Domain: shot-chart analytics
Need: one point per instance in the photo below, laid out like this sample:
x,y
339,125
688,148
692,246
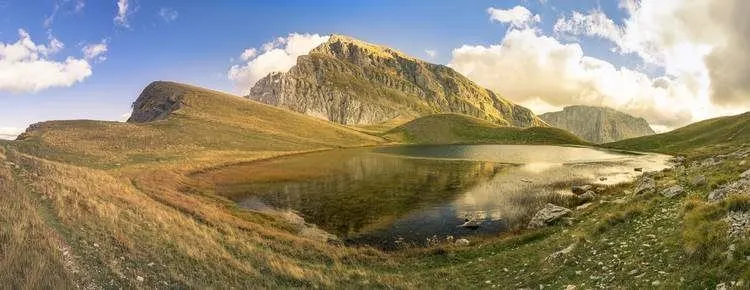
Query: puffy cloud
x,y
168,14
278,55
517,16
701,42
544,74
123,12
595,23
27,67
10,133
431,53
95,51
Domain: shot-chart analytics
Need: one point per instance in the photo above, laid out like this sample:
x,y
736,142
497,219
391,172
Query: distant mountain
x,y
456,128
352,82
729,131
598,124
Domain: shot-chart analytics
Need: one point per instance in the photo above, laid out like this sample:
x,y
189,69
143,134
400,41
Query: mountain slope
x,y
456,128
172,120
352,82
598,124
727,131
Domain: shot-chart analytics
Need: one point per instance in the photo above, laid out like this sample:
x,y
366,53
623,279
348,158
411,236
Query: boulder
x,y
699,180
462,242
549,214
672,191
587,196
580,189
645,185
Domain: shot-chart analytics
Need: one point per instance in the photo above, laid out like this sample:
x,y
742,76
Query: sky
x,y
672,62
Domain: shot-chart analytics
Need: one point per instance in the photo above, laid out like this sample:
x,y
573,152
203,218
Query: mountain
x,y
352,82
456,128
729,131
172,120
598,124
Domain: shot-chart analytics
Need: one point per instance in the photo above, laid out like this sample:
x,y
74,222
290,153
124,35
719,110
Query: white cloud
x,y
518,16
278,55
96,51
703,43
10,133
27,67
79,6
123,12
595,23
168,14
431,53
540,72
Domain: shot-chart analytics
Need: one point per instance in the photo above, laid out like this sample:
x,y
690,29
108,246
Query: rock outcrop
x,y
156,102
349,81
598,124
549,214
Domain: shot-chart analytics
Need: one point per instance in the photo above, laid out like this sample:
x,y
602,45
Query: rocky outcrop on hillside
x,y
156,102
348,81
598,124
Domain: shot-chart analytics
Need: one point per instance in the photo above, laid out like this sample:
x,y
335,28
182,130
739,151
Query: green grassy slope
x,y
456,128
207,122
718,132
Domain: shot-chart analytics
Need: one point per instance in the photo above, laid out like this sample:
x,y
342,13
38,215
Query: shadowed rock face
x,y
348,81
598,124
156,102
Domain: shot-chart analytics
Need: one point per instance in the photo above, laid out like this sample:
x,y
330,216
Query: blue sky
x,y
198,41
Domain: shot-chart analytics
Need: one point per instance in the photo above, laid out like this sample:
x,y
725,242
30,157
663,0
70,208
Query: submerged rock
x,y
672,191
549,214
470,224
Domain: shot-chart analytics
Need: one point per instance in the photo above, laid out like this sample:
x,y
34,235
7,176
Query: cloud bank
x,y
27,67
276,56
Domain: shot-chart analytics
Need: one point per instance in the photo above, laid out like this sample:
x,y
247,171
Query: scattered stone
x,y
645,185
672,191
602,178
580,189
742,163
678,159
462,242
559,253
548,215
638,169
525,180
721,286
739,223
741,185
656,283
620,201
587,196
139,278
584,206
633,272
699,180
570,287
745,174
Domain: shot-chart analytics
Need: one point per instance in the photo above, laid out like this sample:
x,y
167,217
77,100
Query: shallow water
x,y
382,195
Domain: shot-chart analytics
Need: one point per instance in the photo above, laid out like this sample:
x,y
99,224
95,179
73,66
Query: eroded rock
x,y
645,185
549,214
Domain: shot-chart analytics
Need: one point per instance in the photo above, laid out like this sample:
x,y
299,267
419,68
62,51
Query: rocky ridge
x,y
598,124
349,81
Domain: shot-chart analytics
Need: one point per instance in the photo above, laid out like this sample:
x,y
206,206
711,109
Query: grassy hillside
x,y
722,132
455,128
208,124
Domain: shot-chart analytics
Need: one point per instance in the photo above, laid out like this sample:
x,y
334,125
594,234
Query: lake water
x,y
379,196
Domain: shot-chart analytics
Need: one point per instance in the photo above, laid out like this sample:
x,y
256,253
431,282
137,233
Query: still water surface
x,y
410,193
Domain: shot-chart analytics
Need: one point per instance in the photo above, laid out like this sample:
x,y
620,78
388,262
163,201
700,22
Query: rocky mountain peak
x,y
598,124
349,81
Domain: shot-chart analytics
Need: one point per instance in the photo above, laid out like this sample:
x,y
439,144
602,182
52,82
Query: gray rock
x,y
462,242
672,191
745,174
587,196
562,252
645,185
699,180
584,206
580,189
549,214
739,186
739,223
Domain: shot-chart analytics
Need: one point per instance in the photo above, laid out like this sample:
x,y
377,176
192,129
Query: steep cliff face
x,y
348,81
598,124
